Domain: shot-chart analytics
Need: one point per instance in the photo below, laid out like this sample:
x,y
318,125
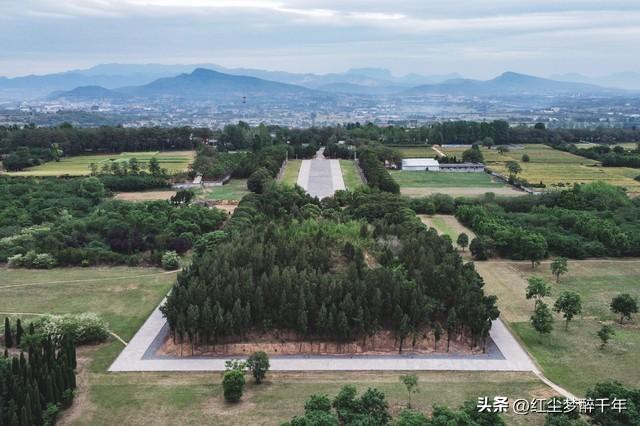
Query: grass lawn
x,y
555,168
196,398
565,356
123,296
350,174
173,161
290,176
235,189
411,179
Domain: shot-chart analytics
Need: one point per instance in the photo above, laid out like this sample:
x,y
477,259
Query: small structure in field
x,y
462,167
420,164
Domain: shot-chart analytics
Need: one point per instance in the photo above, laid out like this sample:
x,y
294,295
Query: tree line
x,y
376,174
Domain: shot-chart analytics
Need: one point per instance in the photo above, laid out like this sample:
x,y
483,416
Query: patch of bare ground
x,y
285,343
228,206
144,196
81,402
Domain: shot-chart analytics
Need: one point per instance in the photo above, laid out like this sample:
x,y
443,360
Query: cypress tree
x,y
24,417
13,419
8,337
19,331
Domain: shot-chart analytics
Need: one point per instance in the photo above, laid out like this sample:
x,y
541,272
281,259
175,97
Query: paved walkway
x,y
140,355
320,177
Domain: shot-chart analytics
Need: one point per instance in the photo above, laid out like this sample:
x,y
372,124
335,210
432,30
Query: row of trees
x,y
376,174
591,220
33,389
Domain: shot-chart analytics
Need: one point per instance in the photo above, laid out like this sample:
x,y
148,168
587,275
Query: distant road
x,y
321,177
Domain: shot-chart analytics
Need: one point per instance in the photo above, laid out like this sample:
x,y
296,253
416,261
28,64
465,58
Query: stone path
x,y
140,355
320,177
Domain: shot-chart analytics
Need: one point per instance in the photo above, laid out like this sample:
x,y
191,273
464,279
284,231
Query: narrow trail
x,y
88,280
440,153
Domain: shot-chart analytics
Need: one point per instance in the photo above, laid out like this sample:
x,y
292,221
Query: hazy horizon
x,y
475,39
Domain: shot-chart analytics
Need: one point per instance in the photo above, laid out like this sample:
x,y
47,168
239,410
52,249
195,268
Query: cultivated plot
x,y
422,183
173,161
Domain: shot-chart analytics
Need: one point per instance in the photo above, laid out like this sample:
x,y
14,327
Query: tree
x,y
625,305
542,320
410,381
258,364
569,304
92,188
503,149
488,142
559,267
537,289
233,385
154,167
259,180
525,158
19,332
481,248
463,240
605,334
609,391
534,246
8,336
513,167
472,155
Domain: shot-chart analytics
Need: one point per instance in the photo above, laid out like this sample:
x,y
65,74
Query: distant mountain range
x,y
622,80
508,84
201,81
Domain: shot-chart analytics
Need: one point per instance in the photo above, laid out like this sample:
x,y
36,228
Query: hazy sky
x,y
478,38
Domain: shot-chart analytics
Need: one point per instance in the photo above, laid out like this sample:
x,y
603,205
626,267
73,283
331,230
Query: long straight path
x,y
321,177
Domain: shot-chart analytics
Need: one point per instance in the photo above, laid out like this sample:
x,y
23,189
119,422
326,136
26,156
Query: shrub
x,y
233,385
170,260
82,328
258,364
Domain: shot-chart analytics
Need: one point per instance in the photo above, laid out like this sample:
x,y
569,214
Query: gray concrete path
x,y
139,355
320,177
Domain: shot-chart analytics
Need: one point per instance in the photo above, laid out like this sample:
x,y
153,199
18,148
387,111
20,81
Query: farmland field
x,y
417,152
420,184
555,168
565,355
350,174
290,176
173,161
196,398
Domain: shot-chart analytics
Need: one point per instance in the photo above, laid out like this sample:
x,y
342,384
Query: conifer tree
x,y
8,337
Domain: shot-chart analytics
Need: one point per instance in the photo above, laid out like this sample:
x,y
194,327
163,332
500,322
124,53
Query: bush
x,y
258,364
32,260
233,385
258,180
170,260
50,415
82,328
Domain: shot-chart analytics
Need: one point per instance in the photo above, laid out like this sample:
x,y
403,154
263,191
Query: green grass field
x,y
417,152
173,161
290,176
235,189
350,174
555,168
444,180
125,296
565,356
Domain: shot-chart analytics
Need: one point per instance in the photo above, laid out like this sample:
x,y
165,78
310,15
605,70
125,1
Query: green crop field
x,y
555,168
412,179
417,152
235,189
350,174
565,356
290,176
173,161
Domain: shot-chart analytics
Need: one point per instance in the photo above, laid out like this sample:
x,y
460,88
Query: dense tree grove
x,y
309,277
33,389
610,157
70,221
591,220
375,173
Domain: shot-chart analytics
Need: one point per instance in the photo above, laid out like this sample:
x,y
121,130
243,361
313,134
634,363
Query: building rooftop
x,y
419,162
